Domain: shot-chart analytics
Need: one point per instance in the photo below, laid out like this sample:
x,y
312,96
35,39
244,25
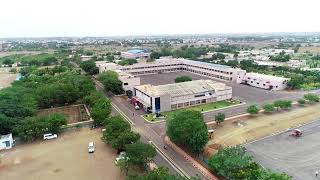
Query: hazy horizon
x,y
98,18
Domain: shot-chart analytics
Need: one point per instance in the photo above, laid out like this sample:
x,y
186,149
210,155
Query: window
x,y
125,84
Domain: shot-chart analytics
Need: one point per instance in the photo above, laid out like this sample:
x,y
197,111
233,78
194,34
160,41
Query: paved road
x,y
299,157
148,134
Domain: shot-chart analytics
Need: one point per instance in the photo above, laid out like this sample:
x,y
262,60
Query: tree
x,y
115,126
253,109
89,67
219,118
302,102
229,161
268,108
101,111
54,122
269,175
161,173
311,97
188,129
139,154
93,98
182,79
110,81
124,138
282,104
7,124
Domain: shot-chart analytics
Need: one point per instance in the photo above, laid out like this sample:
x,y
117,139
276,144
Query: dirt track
x,y
230,133
65,158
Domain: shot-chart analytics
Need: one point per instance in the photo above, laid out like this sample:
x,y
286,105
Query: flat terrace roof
x,y
266,77
182,89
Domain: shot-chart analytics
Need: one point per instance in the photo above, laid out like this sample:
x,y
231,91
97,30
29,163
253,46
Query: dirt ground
x,y
231,133
74,113
64,158
6,79
313,49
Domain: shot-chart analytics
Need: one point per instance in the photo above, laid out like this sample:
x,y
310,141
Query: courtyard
x,y
66,157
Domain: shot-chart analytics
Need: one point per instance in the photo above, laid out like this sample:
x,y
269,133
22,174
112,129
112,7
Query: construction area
x,y
66,157
243,130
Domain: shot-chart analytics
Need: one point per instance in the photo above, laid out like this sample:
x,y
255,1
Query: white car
x,y
91,147
50,136
136,107
121,157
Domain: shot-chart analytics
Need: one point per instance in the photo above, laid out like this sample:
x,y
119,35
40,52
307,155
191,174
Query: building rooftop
x,y
136,51
219,66
182,89
266,77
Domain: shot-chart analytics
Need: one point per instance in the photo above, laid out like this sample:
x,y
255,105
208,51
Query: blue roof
x,y
135,51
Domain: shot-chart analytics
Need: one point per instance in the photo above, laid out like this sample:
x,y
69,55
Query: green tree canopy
x,y
101,111
219,118
268,108
110,81
253,109
188,129
89,67
139,154
182,79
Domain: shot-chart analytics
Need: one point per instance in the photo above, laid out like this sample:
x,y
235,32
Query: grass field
x,y
231,133
74,113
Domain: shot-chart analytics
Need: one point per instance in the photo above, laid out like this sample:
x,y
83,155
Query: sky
x,y
56,18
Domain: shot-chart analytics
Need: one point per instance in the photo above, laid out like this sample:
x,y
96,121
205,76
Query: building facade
x,y
179,95
265,81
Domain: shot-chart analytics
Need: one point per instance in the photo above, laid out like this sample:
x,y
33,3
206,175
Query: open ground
x,y
233,132
6,79
74,113
64,158
298,157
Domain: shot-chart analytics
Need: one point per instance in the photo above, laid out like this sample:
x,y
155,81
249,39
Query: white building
x,y
135,54
180,95
129,81
213,71
6,141
265,81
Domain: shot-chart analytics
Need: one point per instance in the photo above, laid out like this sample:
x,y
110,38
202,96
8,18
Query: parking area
x,y
299,157
244,93
66,157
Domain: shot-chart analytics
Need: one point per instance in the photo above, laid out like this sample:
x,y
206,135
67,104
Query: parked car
x,y
91,147
50,136
121,156
136,107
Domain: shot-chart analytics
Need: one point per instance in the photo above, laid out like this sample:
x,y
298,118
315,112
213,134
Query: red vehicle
x,y
296,133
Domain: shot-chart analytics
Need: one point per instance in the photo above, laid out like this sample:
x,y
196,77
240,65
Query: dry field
x,y
74,113
65,158
232,133
313,49
6,79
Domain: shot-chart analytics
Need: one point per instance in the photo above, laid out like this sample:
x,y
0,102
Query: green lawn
x,y
200,108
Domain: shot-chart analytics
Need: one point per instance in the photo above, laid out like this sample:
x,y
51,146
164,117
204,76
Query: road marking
x,y
170,161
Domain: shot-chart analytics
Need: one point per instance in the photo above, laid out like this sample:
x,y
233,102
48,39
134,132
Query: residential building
x,y
179,95
264,81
